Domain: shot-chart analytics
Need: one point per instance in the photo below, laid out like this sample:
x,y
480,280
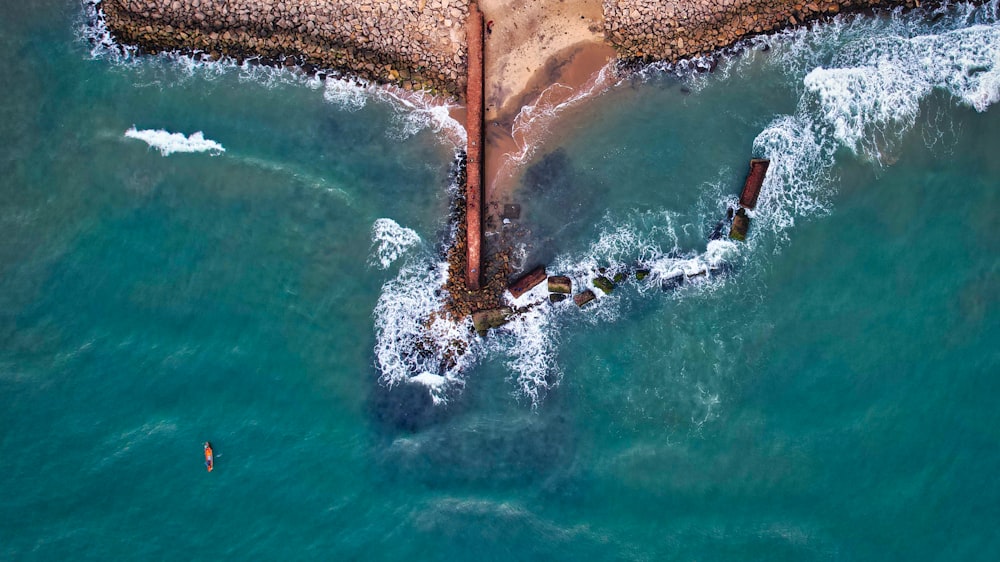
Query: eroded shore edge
x,y
422,45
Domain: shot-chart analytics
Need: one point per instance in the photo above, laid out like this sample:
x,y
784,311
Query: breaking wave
x,y
863,81
413,111
168,143
415,342
391,241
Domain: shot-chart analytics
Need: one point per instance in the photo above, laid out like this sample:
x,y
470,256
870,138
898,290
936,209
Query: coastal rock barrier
x,y
676,29
421,44
417,44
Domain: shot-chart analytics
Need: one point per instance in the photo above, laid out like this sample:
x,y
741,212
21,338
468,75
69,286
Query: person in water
x,y
209,455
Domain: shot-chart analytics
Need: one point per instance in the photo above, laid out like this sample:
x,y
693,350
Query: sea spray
x,y
416,342
169,143
390,241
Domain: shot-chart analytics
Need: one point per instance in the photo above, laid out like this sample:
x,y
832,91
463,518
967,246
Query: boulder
x,y
494,318
557,297
604,284
741,224
671,283
717,231
560,284
527,282
641,274
584,297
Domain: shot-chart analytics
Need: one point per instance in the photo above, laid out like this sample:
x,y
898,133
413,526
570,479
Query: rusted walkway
x,y
474,151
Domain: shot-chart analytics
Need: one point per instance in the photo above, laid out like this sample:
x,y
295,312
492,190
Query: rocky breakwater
x,y
416,44
676,29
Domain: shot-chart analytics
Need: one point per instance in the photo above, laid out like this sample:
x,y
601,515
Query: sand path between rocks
x,y
532,45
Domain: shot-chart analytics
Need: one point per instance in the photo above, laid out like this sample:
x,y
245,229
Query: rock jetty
x,y
672,30
417,44
421,44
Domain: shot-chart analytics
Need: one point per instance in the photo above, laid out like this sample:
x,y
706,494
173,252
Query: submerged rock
x,y
671,283
641,274
604,284
557,297
717,231
552,173
511,212
741,224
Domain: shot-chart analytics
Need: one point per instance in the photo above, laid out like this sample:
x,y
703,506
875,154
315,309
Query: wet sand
x,y
512,134
539,53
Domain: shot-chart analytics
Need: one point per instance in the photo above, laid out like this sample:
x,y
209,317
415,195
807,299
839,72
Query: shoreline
x,y
421,44
414,44
538,53
568,49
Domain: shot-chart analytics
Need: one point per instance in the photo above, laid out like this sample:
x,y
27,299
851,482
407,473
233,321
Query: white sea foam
x,y
796,180
349,95
94,29
530,129
391,241
871,102
434,382
862,84
415,341
168,143
531,341
413,111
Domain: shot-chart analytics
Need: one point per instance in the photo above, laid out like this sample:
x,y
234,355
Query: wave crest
x,y
168,143
391,241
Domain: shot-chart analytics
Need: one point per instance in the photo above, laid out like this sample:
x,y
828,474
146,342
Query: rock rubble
x,y
675,29
421,44
417,44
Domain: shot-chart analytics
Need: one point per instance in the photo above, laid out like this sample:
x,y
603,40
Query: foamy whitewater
x,y
168,143
863,81
861,94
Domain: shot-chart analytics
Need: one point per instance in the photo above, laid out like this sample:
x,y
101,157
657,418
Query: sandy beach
x,y
524,40
539,53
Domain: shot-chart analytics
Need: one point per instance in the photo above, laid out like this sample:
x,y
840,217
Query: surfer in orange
x,y
209,457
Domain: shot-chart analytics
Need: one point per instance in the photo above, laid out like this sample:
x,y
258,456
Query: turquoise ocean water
x,y
828,393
